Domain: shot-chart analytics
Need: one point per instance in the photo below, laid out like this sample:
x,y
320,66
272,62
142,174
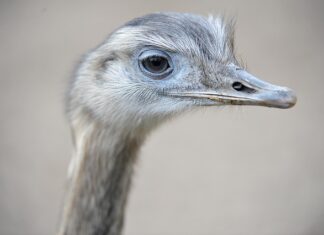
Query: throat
x,y
99,181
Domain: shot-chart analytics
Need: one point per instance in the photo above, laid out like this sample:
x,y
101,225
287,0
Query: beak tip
x,y
291,98
288,98
283,98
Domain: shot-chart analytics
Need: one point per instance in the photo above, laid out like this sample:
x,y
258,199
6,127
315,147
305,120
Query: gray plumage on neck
x,y
100,180
145,72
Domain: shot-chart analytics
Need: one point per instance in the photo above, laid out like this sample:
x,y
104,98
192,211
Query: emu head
x,y
166,63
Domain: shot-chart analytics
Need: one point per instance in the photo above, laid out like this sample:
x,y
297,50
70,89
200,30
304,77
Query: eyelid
x,y
153,52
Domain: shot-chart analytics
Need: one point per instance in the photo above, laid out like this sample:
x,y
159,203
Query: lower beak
x,y
283,99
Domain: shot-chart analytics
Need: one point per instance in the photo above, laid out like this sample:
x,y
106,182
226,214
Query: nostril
x,y
238,86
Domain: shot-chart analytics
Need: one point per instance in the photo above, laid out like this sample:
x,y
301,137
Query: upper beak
x,y
258,92
245,89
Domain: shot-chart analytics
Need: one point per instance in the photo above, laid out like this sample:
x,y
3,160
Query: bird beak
x,y
249,90
242,88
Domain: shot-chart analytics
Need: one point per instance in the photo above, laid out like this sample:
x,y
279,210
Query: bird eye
x,y
155,64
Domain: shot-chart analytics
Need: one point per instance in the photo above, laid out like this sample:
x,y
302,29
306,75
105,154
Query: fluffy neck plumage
x,y
100,178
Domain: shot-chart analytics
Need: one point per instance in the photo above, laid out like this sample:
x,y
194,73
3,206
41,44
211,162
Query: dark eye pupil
x,y
155,64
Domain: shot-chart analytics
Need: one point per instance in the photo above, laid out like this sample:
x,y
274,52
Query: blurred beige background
x,y
228,171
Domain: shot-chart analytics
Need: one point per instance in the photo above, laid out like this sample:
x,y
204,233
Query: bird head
x,y
165,63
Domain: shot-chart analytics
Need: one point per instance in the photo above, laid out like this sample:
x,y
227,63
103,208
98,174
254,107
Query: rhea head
x,y
165,63
146,71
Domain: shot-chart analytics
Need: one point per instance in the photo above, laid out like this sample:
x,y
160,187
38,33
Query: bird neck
x,y
100,178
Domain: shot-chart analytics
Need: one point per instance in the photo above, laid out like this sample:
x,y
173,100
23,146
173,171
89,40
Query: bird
x,y
149,70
